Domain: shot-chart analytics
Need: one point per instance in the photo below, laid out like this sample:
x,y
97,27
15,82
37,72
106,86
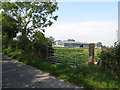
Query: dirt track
x,y
19,75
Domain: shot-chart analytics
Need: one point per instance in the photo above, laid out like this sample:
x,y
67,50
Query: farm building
x,y
74,44
59,43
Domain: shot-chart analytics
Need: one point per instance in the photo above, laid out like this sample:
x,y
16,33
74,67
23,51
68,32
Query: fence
x,y
71,56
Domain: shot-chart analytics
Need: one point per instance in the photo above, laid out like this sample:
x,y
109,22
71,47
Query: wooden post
x,y
91,53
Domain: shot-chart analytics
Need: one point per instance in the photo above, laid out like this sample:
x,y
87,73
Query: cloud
x,y
91,31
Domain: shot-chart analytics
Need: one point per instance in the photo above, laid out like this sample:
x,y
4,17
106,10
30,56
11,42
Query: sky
x,y
86,22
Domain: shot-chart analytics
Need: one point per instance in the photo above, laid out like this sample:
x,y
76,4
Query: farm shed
x,y
74,44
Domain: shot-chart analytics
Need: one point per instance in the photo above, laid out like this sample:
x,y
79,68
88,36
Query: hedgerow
x,y
111,59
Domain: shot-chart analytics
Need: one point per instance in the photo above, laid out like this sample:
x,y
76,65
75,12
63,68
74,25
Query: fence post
x,y
91,53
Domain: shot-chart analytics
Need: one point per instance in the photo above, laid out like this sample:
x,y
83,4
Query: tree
x,y
99,43
9,29
50,39
71,40
31,15
28,18
9,26
39,44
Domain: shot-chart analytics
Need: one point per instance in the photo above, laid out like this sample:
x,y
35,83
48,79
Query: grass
x,y
78,56
83,76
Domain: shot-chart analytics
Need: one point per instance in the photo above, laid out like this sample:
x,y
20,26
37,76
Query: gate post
x,y
91,53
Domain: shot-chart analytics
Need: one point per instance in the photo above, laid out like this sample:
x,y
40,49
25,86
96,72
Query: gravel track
x,y
18,75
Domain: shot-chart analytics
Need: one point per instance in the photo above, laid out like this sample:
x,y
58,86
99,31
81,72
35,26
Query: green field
x,y
74,56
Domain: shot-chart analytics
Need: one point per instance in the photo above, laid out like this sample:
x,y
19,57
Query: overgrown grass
x,y
83,76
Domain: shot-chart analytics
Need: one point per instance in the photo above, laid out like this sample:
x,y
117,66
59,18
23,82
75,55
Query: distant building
x,y
74,44
59,43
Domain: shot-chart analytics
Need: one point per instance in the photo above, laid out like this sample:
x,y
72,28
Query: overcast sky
x,y
86,22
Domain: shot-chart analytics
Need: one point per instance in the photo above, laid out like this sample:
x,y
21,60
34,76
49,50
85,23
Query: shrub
x,y
110,59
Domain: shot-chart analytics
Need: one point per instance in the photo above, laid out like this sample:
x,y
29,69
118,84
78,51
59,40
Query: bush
x,y
110,59
35,46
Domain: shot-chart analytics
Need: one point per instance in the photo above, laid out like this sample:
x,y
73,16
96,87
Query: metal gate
x,y
72,56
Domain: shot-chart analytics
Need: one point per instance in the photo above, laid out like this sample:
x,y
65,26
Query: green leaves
x,y
44,19
110,59
50,23
39,14
28,18
55,17
9,26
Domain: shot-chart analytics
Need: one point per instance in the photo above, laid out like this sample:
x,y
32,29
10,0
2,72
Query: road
x,y
18,75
